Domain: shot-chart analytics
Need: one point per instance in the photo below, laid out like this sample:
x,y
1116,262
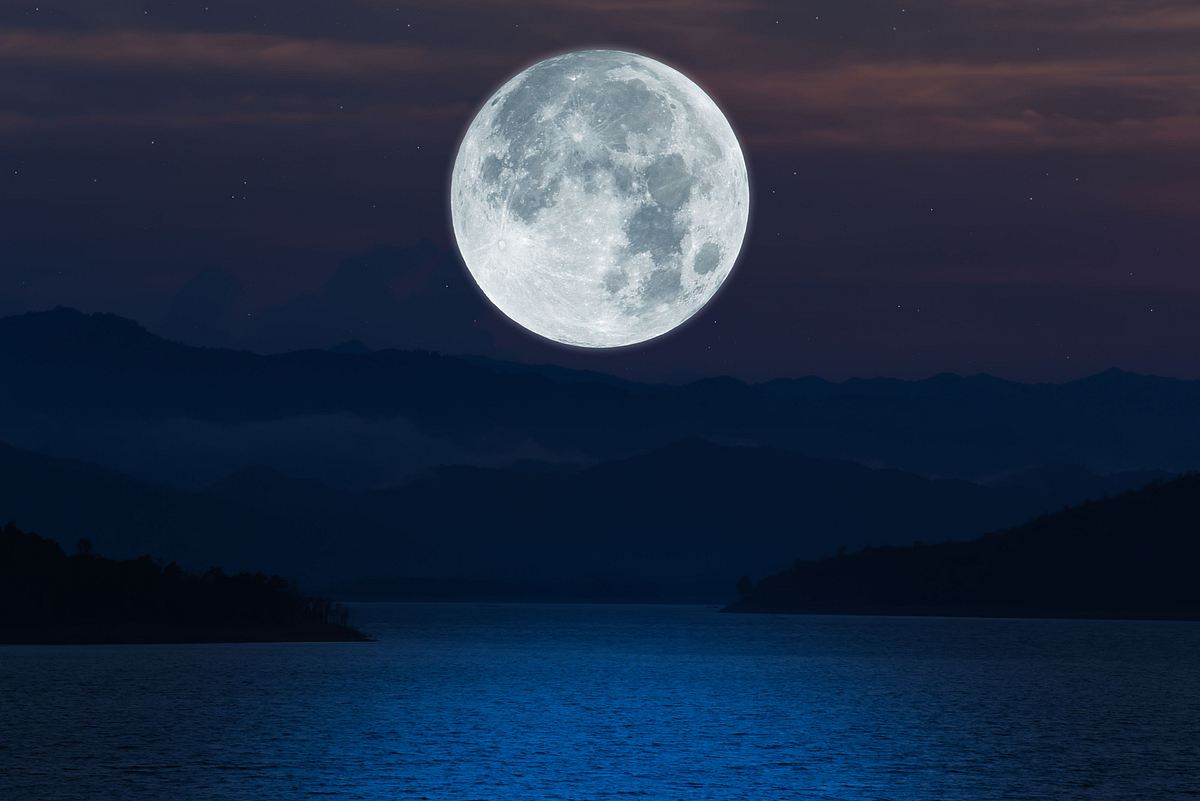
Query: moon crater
x,y
599,198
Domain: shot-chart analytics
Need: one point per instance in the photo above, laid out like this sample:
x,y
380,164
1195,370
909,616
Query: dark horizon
x,y
355,346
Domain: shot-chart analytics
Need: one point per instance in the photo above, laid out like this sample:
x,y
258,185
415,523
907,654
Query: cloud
x,y
236,52
81,81
952,79
1089,15
1160,20
1085,105
258,111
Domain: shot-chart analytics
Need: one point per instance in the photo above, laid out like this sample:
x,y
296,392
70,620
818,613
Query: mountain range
x,y
100,376
414,473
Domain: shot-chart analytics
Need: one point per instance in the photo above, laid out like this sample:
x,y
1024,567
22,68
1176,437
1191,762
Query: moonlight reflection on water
x,y
461,701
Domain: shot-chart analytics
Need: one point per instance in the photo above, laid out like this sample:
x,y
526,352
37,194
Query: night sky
x,y
963,185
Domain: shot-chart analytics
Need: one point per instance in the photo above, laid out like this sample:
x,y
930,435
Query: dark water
x,y
595,702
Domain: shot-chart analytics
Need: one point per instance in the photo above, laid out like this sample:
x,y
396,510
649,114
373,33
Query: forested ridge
x,y
48,595
1134,555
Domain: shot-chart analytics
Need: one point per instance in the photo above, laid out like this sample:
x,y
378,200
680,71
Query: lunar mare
x,y
599,198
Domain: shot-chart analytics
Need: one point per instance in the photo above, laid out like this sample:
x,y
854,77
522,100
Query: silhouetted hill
x,y
89,384
667,523
1131,556
125,516
47,596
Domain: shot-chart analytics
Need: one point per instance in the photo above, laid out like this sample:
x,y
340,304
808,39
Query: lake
x,y
462,702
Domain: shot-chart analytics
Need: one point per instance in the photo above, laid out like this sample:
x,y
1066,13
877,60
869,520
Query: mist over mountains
x,y
348,464
98,372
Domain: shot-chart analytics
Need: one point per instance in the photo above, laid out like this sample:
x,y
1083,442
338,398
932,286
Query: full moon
x,y
599,198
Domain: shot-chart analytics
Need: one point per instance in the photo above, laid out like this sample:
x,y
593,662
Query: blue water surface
x,y
462,702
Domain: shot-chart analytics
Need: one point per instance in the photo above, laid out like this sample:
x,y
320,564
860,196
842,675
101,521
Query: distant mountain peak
x,y
1117,375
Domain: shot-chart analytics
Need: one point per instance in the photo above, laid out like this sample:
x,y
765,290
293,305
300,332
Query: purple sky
x,y
963,185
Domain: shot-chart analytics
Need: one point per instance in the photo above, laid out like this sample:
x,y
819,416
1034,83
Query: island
x,y
50,597
1131,556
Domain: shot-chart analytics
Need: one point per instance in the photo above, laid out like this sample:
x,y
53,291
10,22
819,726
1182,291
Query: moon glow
x,y
599,198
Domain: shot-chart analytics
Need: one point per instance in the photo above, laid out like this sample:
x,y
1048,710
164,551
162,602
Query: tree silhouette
x,y
48,596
